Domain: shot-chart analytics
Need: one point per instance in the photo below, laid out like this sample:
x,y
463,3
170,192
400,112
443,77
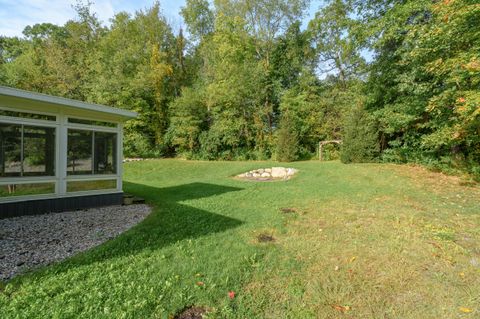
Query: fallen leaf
x,y
465,310
353,259
341,308
200,283
231,294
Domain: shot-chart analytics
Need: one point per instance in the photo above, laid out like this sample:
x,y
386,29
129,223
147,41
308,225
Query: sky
x,y
15,15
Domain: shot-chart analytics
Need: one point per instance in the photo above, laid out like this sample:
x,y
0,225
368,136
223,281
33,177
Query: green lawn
x,y
366,241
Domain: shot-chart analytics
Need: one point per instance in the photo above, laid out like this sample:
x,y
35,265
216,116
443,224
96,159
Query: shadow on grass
x,y
169,222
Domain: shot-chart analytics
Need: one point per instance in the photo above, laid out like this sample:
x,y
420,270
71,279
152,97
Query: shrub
x,y
287,140
360,138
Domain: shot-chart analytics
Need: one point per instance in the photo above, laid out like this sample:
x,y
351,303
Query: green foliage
x,y
287,140
198,17
221,93
423,87
188,120
336,42
360,138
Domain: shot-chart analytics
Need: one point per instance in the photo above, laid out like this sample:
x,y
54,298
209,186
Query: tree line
x,y
396,80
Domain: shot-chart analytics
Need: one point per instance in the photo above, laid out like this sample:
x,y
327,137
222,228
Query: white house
x,y
58,154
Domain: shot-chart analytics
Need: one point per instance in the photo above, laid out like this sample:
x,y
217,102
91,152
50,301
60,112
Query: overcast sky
x,y
15,15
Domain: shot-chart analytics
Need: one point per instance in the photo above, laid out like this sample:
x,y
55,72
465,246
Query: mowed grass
x,y
363,241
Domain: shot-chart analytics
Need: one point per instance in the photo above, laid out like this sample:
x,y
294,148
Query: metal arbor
x,y
322,143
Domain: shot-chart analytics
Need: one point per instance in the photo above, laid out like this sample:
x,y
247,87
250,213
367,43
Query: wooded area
x,y
397,81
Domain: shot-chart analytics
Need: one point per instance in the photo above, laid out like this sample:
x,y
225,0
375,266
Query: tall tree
x,y
337,45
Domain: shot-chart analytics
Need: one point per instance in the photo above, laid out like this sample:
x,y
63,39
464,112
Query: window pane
x,y
28,115
26,189
38,151
79,152
10,150
79,186
91,122
105,153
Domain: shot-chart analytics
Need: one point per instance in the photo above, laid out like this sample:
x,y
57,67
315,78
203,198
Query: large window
x,y
91,152
26,150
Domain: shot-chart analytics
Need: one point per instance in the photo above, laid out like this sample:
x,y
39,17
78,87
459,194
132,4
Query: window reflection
x,y
10,150
26,189
38,151
79,186
91,152
26,150
105,153
80,150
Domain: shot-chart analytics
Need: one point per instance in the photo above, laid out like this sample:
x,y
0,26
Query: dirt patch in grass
x,y
193,312
288,210
265,238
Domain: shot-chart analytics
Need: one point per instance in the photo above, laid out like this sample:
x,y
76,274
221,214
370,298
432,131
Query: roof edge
x,y
5,90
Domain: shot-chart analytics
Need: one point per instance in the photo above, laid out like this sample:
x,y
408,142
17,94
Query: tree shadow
x,y
169,222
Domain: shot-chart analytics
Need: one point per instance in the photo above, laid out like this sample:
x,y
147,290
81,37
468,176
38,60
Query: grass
x,y
358,241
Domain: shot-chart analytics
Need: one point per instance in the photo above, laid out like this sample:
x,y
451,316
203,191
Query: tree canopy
x,y
247,77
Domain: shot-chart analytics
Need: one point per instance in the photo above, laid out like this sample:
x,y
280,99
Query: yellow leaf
x,y
353,259
465,310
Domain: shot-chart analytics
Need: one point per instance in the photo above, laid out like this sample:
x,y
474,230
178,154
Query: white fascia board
x,y
7,91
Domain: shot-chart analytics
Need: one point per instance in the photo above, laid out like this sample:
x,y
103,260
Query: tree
x,y
231,60
360,138
198,17
188,121
422,87
337,45
287,140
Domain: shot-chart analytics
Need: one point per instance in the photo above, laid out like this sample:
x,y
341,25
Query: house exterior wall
x,y
56,205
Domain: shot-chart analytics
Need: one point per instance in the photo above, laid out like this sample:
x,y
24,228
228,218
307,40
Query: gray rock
x,y
279,172
291,171
264,174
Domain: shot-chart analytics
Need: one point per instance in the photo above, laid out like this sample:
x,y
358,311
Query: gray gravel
x,y
30,241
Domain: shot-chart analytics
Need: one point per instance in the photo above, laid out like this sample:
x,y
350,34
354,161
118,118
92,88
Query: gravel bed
x,y
30,241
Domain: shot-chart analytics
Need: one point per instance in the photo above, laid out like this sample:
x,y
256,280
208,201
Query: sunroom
x,y
58,154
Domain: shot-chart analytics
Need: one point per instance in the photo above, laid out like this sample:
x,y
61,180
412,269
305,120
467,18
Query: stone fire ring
x,y
268,174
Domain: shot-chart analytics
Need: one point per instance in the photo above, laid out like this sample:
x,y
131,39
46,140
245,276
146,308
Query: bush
x,y
136,144
287,140
360,138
